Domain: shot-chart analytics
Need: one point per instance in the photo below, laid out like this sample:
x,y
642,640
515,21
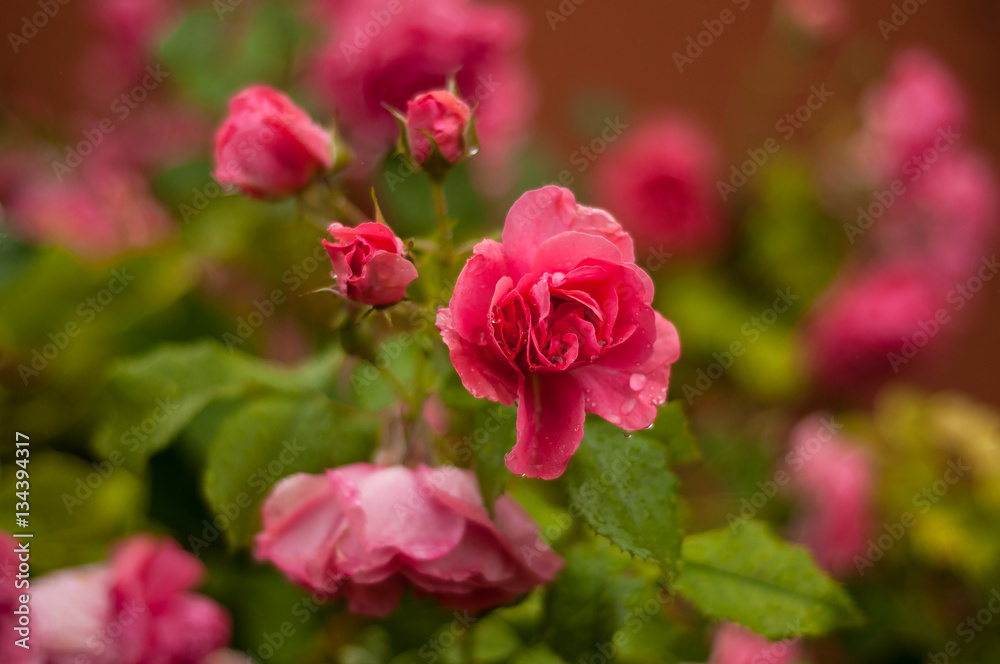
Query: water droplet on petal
x,y
647,428
594,358
614,419
637,381
627,434
628,406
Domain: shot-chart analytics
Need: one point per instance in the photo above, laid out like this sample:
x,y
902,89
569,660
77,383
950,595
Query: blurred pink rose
x,y
866,317
947,218
918,104
659,181
836,478
366,532
268,146
136,608
388,52
737,645
558,318
445,118
10,602
99,210
368,263
822,20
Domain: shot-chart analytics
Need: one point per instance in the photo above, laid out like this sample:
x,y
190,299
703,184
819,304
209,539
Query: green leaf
x,y
587,604
623,489
153,398
671,430
271,438
493,436
750,576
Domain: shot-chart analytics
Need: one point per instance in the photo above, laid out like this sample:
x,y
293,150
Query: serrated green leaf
x,y
625,492
750,576
271,438
587,604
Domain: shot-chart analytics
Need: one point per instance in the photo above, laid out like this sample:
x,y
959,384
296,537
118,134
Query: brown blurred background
x,y
739,87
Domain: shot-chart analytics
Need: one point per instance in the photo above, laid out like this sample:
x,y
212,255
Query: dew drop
x,y
558,278
627,434
614,419
628,406
594,358
647,428
637,381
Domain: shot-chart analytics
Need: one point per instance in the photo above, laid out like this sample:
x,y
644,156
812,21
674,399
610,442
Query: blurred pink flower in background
x,y
268,146
917,104
9,602
129,31
736,645
136,608
369,264
377,56
863,318
659,183
442,116
836,480
821,20
100,210
367,532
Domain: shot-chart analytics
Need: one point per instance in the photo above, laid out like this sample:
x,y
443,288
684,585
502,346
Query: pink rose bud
x,y
737,645
558,319
660,182
871,325
441,116
136,608
836,478
268,146
368,263
367,532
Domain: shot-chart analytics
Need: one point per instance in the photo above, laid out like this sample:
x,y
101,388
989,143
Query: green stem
x,y
444,230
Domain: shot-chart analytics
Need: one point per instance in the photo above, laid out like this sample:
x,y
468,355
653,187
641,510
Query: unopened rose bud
x,y
368,263
268,146
438,119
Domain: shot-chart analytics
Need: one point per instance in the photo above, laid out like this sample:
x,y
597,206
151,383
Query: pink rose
x,y
918,106
659,181
366,532
558,318
736,645
445,118
368,263
360,69
268,146
100,210
136,608
859,329
836,478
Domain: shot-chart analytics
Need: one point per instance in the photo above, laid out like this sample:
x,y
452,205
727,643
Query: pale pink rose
x,y
367,532
559,318
136,608
269,147
386,53
865,320
99,210
737,645
914,110
368,263
659,181
441,116
9,602
835,477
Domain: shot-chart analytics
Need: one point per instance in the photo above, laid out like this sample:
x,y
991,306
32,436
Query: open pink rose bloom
x,y
367,532
558,317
